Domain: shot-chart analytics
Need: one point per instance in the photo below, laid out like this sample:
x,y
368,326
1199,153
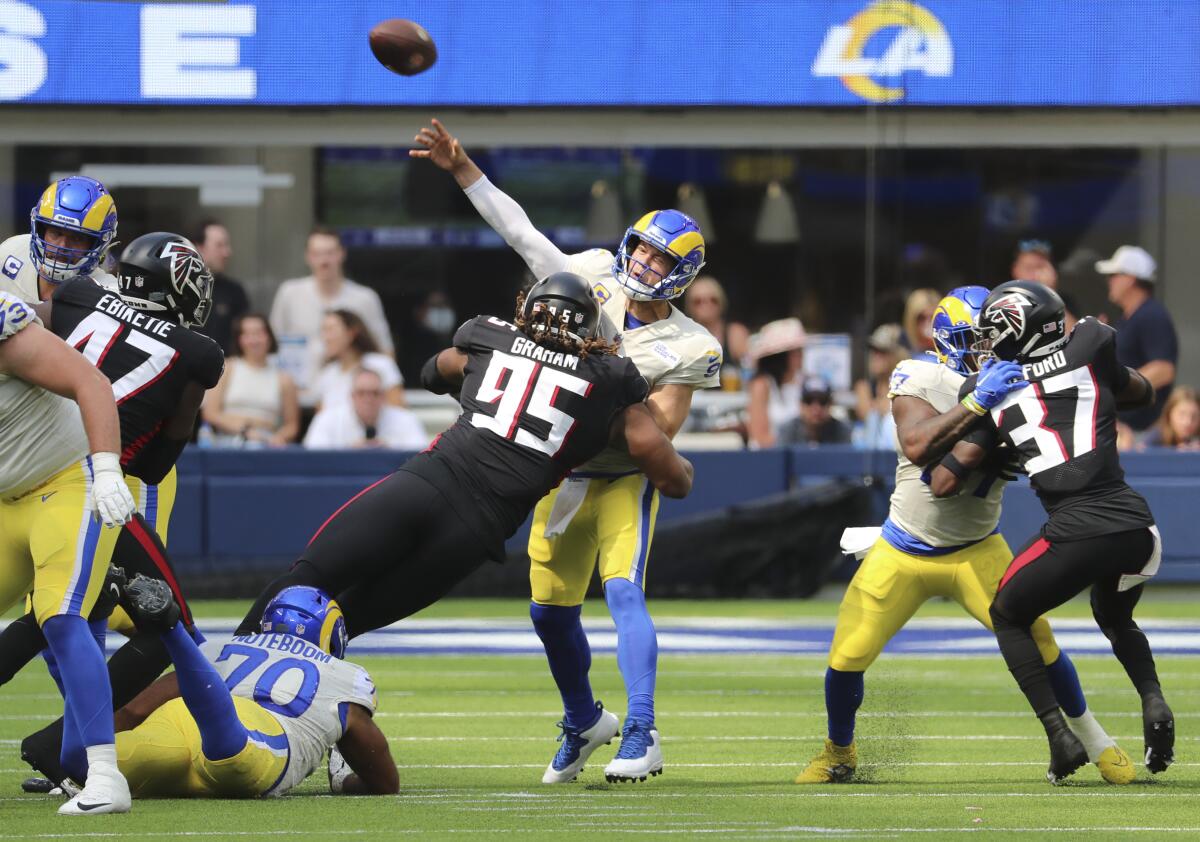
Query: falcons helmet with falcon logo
x,y
1023,320
163,274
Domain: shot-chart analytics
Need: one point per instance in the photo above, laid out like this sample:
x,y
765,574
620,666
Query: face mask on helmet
x,y
1023,320
163,274
568,300
309,614
673,235
955,333
74,209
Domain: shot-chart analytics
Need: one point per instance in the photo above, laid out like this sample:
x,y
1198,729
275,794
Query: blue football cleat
x,y
640,755
577,746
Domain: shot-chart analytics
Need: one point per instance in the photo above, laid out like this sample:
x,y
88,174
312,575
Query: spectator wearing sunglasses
x,y
706,303
816,424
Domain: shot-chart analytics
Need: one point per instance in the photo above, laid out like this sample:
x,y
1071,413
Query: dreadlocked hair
x,y
539,327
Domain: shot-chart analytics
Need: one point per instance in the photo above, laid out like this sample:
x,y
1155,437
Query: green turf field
x,y
947,746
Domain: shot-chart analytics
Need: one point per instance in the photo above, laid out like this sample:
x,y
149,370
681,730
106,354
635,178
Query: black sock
x,y
41,751
20,643
134,666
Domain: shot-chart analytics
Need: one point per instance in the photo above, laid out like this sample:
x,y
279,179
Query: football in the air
x,y
403,46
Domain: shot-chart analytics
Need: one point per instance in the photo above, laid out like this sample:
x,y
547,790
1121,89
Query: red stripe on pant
x,y
1032,554
138,531
342,508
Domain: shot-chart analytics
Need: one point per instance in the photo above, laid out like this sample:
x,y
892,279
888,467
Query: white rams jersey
x,y
305,689
949,521
41,433
674,350
18,276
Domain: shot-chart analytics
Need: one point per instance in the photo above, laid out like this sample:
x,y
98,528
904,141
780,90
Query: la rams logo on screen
x,y
600,291
884,41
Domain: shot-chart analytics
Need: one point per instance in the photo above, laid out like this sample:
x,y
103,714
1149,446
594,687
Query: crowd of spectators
x,y
326,355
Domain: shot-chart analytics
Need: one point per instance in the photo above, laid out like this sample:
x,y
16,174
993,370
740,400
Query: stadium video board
x,y
519,53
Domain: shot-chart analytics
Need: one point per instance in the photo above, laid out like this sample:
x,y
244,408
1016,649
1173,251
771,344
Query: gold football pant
x,y
891,585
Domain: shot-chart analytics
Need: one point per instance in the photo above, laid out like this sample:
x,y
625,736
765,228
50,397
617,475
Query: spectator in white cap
x,y
815,425
777,352
1146,337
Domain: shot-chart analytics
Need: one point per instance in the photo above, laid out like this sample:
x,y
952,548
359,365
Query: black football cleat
x,y
110,594
1158,731
150,604
38,786
1067,755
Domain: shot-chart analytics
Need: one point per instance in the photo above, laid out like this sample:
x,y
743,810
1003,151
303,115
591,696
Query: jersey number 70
x,y
531,390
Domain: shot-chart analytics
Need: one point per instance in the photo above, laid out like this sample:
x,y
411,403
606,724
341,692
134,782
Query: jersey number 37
x,y
1045,438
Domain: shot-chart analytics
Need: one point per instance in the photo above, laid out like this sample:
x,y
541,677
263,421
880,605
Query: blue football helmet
x,y
81,205
955,332
673,233
309,614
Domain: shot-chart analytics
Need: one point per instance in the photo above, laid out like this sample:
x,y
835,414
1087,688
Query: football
x,y
403,46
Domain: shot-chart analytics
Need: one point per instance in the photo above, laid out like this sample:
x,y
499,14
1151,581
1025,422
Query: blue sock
x,y
222,734
570,657
99,630
89,713
637,646
1067,689
843,695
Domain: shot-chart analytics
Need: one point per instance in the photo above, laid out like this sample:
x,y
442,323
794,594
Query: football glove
x,y
997,379
339,770
111,499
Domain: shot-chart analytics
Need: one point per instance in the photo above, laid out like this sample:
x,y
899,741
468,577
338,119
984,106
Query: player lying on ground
x,y
253,715
539,397
1099,531
938,545
159,368
606,510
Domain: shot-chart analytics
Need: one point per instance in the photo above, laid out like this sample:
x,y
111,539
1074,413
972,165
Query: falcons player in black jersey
x,y
540,396
1099,532
159,369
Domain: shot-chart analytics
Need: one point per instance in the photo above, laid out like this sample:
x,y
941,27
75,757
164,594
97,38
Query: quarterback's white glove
x,y
113,502
339,770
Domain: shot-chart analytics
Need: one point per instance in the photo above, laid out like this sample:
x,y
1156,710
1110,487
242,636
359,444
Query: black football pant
x,y
131,669
1043,576
393,549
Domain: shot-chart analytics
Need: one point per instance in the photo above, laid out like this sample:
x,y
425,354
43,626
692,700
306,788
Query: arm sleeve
x,y
634,388
512,223
906,380
211,366
15,315
462,336
1108,365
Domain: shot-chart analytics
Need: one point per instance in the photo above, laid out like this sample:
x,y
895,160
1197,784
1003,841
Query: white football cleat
x,y
106,791
577,747
640,755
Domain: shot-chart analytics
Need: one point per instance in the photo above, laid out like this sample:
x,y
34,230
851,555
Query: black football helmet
x,y
163,273
570,299
1022,320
